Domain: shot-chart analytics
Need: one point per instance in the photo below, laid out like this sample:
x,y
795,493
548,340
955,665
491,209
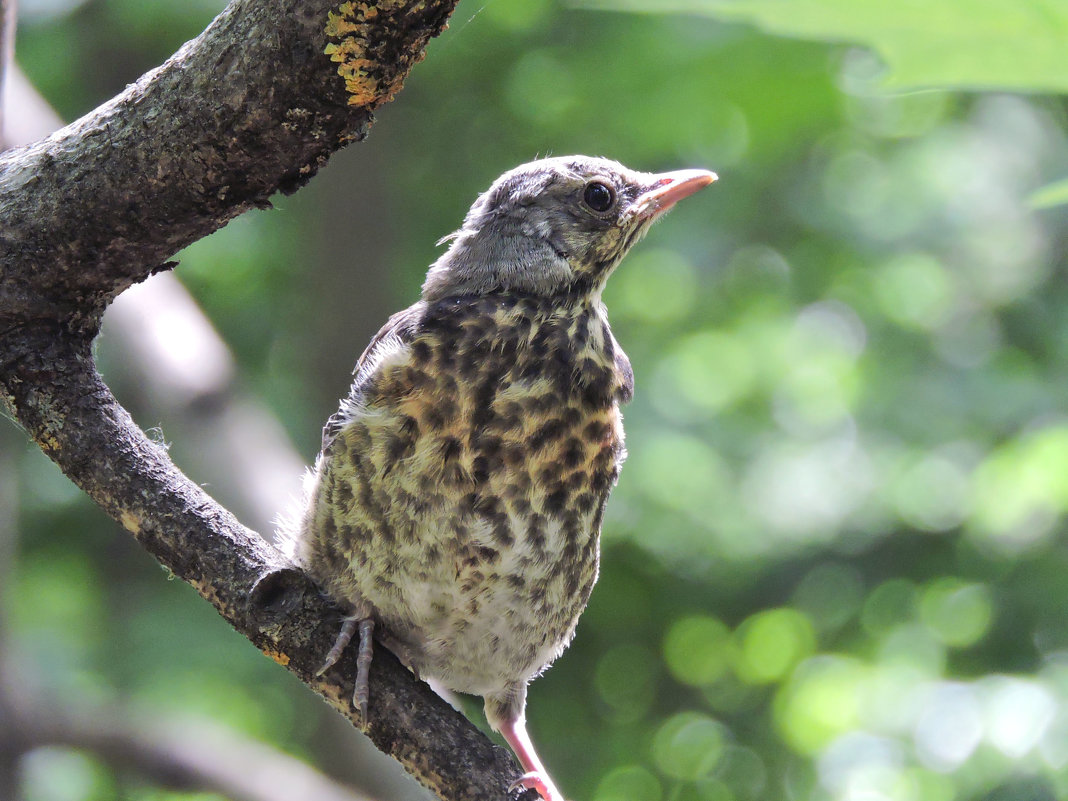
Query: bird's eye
x,y
598,196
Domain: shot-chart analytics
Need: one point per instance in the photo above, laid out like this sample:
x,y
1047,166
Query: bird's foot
x,y
537,781
405,654
505,714
362,694
344,636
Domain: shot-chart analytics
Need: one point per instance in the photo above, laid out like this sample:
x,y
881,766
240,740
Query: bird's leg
x,y
505,713
362,694
365,625
536,777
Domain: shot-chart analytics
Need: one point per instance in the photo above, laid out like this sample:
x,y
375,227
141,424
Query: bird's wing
x,y
391,340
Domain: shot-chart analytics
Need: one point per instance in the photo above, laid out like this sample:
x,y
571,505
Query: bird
x,y
456,506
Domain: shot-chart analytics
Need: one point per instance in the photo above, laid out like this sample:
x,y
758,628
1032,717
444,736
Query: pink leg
x,y
536,777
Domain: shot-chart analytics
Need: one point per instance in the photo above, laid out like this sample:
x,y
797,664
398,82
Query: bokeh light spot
x,y
57,774
821,701
625,679
950,726
688,746
682,473
957,612
914,290
830,594
541,88
771,643
524,16
932,493
891,603
1018,714
1021,488
698,649
704,374
654,286
913,646
629,783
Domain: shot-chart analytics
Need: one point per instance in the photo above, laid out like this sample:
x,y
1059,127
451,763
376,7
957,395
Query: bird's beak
x,y
669,188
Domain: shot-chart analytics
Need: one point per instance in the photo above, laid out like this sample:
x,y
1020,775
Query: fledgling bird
x,y
456,507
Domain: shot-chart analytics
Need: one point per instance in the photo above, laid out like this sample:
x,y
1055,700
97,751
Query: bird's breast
x,y
487,455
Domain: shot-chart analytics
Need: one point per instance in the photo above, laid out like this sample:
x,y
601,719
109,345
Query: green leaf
x,y
1050,195
968,44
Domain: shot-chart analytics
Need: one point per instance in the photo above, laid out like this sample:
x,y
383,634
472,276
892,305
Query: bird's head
x,y
555,227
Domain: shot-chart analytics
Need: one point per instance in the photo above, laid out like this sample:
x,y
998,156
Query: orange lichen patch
x,y
343,23
354,28
279,657
130,522
48,443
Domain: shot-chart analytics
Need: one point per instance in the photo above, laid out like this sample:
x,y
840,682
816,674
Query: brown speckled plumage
x,y
492,495
457,502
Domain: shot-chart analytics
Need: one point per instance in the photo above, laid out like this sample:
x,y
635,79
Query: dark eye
x,y
598,196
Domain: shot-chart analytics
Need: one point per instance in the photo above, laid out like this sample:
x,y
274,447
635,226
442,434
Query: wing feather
x,y
390,343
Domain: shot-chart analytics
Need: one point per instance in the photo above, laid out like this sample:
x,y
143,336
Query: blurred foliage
x,y
969,44
834,567
1053,194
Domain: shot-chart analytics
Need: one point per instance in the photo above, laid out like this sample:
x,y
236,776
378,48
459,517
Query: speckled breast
x,y
469,488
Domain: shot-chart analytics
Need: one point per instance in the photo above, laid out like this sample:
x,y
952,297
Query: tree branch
x,y
251,107
179,754
231,438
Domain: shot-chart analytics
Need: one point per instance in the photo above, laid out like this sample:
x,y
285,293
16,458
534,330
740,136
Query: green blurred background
x,y
835,564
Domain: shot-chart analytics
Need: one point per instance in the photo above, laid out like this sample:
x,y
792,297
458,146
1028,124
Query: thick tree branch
x,y
251,107
74,418
231,438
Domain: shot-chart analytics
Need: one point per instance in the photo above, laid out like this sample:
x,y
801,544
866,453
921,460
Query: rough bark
x,y
253,106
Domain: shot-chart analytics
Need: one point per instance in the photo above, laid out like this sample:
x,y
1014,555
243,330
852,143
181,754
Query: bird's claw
x,y
348,628
536,781
362,693
365,625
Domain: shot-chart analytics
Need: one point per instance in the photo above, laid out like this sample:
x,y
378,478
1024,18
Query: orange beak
x,y
669,188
